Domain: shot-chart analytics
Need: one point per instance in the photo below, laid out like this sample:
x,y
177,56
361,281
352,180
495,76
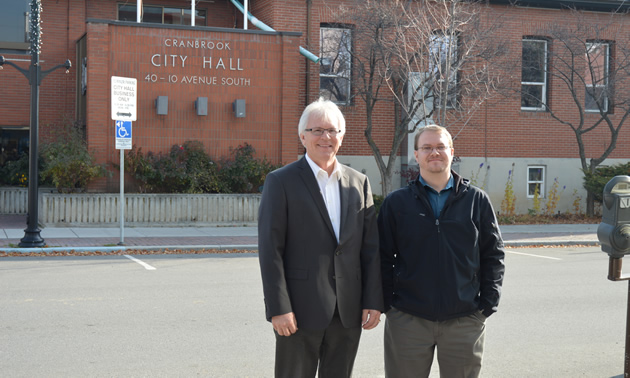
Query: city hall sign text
x,y
206,63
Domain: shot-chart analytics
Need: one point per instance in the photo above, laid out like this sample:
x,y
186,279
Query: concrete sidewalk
x,y
108,237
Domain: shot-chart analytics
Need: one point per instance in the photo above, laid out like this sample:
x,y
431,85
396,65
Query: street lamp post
x,y
34,75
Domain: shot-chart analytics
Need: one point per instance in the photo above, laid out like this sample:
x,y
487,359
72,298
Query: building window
x,y
335,64
14,25
443,67
161,15
535,179
596,77
13,143
534,75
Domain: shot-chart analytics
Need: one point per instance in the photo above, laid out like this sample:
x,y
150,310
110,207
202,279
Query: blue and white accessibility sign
x,y
123,135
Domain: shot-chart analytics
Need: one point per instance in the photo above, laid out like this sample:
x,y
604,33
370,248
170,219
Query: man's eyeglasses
x,y
320,132
429,149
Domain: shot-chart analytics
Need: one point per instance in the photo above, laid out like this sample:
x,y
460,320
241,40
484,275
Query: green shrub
x,y
185,169
67,161
508,204
188,169
171,172
242,173
15,172
140,168
203,172
378,201
595,182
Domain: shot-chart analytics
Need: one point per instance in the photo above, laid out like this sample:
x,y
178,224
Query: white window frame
x,y
597,82
540,182
542,84
438,61
15,20
335,62
201,17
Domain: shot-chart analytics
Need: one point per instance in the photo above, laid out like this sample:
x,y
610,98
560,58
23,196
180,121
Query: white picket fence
x,y
102,208
13,201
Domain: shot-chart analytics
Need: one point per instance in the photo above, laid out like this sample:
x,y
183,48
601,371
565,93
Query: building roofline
x,y
597,6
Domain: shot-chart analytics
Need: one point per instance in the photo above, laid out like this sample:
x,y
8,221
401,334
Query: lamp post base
x,y
32,239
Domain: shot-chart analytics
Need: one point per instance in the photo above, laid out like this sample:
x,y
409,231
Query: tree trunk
x,y
590,198
386,183
590,204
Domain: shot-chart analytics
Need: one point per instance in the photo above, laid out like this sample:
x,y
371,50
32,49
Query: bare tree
x,y
589,60
435,61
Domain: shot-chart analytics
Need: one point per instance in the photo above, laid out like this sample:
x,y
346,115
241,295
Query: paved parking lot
x,y
203,315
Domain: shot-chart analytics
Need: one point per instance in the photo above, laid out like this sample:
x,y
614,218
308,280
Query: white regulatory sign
x,y
124,98
624,202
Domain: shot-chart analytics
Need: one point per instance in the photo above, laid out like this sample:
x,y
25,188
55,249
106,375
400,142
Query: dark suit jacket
x,y
304,269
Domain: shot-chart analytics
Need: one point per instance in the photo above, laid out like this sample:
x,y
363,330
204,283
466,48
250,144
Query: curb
x,y
254,247
130,248
558,243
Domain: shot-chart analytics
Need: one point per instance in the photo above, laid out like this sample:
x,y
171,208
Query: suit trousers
x,y
332,350
410,342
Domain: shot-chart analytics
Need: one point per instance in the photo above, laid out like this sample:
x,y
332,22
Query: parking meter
x,y
614,231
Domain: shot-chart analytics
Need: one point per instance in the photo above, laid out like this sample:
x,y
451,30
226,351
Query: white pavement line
x,y
532,255
145,265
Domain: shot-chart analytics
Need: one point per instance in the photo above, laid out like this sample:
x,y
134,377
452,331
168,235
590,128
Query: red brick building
x,y
199,72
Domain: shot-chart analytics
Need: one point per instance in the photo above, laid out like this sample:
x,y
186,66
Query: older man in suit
x,y
318,252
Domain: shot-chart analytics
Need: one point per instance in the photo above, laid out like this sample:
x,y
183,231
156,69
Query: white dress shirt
x,y
329,188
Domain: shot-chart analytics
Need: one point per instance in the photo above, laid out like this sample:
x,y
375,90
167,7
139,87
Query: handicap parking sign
x,y
123,129
123,135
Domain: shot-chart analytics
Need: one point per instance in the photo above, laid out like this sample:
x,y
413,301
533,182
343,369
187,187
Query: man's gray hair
x,y
323,109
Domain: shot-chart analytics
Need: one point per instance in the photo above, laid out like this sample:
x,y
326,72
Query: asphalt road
x,y
203,315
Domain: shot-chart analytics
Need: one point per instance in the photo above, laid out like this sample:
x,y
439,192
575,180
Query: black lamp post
x,y
34,75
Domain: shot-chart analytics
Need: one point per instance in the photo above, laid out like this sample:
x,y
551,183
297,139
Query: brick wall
x,y
284,15
501,129
56,92
277,90
498,129
185,64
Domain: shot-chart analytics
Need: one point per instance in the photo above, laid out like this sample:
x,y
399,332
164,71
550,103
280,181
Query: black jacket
x,y
441,268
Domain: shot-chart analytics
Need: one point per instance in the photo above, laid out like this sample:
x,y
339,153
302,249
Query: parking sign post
x,y
124,104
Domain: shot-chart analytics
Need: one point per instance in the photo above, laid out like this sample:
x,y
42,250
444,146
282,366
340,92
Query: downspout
x,y
261,25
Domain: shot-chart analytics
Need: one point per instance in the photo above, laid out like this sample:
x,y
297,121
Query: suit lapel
x,y
306,173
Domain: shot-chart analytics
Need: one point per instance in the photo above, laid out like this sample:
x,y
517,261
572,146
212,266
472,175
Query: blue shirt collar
x,y
449,184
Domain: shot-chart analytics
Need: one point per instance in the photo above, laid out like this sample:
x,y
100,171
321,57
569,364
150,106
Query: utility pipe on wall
x,y
256,22
309,55
261,25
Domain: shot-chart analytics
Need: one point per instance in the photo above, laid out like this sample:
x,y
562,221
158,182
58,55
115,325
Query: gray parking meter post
x,y
614,236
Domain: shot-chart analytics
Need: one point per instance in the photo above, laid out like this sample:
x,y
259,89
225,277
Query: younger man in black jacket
x,y
442,263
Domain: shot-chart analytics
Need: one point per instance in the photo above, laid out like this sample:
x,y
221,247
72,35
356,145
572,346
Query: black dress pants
x,y
331,350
